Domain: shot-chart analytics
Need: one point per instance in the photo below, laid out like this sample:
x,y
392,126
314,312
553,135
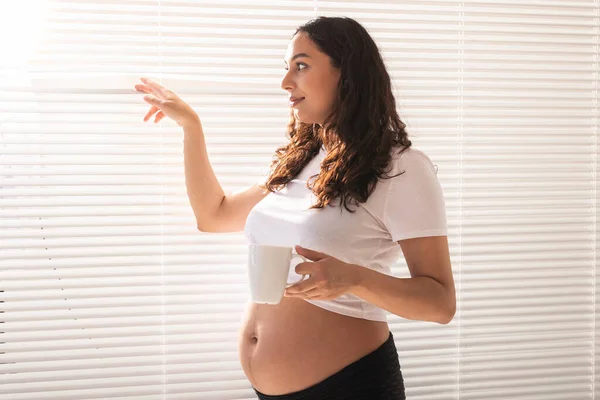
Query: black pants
x,y
376,376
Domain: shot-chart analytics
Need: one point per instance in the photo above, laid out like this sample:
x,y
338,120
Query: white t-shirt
x,y
406,206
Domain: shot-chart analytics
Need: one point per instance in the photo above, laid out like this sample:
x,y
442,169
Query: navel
x,y
253,338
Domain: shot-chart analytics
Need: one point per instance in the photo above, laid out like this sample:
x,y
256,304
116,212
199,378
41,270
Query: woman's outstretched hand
x,y
165,103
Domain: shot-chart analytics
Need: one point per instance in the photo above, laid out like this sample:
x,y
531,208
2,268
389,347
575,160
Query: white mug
x,y
268,269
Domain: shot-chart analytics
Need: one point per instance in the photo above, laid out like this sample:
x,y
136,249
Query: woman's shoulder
x,y
409,157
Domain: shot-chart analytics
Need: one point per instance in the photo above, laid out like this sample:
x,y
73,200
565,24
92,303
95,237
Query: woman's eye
x,y
298,66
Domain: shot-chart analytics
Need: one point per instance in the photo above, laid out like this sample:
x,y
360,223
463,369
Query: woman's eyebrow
x,y
297,56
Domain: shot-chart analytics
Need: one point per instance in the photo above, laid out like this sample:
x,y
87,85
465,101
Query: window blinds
x,y
109,291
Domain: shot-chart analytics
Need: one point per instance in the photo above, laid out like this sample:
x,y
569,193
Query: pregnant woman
x,y
348,188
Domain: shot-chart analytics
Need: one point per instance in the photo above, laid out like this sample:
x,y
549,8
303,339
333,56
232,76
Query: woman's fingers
x,y
152,100
159,116
152,110
149,98
164,103
143,88
156,88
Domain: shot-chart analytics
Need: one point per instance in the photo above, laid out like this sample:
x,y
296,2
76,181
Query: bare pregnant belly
x,y
293,345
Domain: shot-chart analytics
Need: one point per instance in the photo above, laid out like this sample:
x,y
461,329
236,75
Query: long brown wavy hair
x,y
361,129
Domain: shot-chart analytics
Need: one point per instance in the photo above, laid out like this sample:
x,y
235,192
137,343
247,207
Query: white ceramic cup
x,y
268,269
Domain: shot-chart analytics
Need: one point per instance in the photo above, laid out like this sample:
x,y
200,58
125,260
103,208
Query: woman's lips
x,y
295,102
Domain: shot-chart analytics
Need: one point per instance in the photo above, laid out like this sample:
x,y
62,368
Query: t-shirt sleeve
x,y
415,205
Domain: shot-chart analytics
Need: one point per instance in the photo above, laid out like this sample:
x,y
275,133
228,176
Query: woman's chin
x,y
302,117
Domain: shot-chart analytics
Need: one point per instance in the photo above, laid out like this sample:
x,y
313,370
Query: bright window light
x,y
22,24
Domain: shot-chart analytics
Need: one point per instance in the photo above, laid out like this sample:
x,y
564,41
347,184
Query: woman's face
x,y
311,81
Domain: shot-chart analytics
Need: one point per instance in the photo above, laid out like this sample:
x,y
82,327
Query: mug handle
x,y
294,255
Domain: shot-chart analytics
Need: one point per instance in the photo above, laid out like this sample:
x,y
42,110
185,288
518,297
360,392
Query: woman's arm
x,y
214,210
428,295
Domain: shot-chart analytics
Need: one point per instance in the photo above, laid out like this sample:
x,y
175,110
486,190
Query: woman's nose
x,y
287,83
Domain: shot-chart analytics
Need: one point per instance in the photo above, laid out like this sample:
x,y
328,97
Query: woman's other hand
x,y
329,277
